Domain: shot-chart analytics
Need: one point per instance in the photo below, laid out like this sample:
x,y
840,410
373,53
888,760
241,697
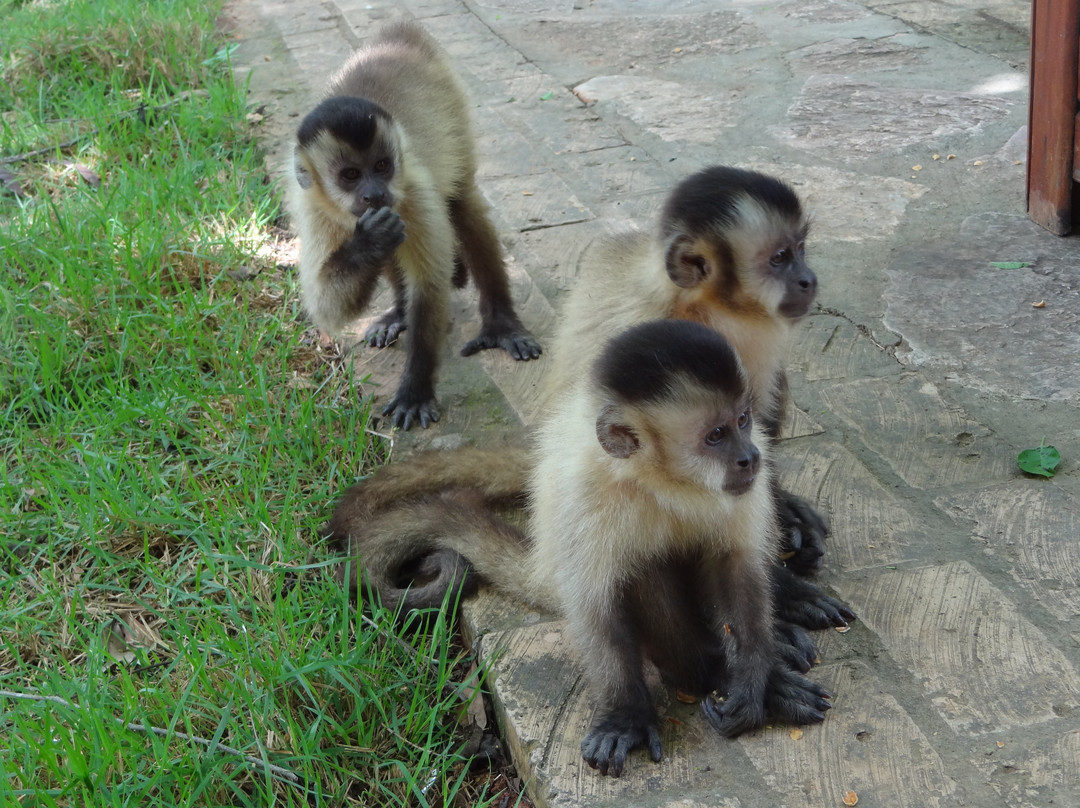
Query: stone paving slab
x,y
924,371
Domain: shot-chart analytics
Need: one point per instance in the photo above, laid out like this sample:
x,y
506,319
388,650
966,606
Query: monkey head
x,y
349,148
677,405
738,238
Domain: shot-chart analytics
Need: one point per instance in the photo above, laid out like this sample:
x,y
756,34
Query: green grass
x,y
171,438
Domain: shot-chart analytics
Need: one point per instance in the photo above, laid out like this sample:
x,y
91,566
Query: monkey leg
x,y
389,326
426,259
804,603
481,254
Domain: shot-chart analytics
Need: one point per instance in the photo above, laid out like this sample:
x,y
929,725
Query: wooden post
x,y
1052,113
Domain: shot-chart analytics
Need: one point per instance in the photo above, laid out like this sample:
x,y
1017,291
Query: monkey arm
x,y
481,256
345,279
761,682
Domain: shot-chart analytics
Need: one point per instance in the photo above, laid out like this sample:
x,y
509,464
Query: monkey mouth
x,y
797,309
739,487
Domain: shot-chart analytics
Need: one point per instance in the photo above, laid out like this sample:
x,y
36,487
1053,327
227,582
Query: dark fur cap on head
x,y
709,197
641,364
349,119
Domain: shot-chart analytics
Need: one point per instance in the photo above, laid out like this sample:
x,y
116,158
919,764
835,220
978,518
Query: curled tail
x,y
428,525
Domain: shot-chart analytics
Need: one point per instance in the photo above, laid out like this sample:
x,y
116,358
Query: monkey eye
x,y
780,258
745,419
382,166
716,436
350,174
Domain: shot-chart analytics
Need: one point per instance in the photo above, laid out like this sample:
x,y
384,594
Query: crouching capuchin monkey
x,y
651,529
383,184
729,252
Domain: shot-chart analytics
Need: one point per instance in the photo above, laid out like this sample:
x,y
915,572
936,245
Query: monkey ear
x,y
618,439
303,176
686,266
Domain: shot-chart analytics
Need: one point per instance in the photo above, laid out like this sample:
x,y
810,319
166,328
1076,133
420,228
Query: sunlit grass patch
x,y
172,437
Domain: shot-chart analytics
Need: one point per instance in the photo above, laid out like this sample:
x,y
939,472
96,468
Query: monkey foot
x,y
404,412
385,330
506,333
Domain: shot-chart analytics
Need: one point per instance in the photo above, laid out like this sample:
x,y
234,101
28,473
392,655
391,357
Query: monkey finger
x,y
596,750
382,226
795,647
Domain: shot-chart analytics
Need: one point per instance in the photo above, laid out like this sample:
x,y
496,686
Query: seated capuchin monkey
x,y
651,529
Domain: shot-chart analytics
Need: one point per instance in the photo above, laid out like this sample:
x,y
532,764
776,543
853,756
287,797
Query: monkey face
x,y
364,184
350,148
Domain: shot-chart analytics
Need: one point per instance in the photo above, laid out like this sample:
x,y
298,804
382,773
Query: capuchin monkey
x,y
383,184
651,529
729,252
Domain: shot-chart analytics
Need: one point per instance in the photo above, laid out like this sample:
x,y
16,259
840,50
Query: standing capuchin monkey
x,y
383,183
651,530
729,252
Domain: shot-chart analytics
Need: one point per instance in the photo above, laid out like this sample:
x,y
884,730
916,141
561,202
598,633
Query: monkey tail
x,y
427,527
416,555
499,476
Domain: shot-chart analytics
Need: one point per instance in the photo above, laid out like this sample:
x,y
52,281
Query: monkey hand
x,y
410,405
804,603
613,735
508,333
379,231
742,709
803,531
795,699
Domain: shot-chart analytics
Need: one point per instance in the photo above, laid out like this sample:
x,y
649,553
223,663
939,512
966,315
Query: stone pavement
x,y
923,373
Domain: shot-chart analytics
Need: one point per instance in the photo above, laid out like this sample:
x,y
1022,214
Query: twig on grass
x,y
142,110
287,775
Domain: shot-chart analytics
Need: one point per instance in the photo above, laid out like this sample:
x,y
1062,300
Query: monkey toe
x,y
823,612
